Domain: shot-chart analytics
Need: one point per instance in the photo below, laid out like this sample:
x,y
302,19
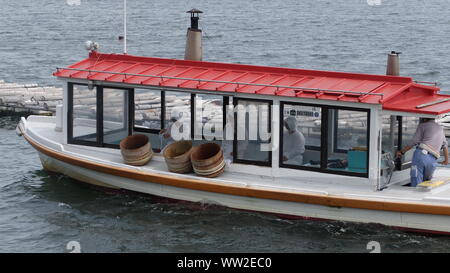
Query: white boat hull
x,y
340,200
414,221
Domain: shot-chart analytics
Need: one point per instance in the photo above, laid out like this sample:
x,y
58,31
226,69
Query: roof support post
x,y
375,136
65,111
275,135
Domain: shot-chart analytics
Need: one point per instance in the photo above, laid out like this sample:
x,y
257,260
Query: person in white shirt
x,y
293,143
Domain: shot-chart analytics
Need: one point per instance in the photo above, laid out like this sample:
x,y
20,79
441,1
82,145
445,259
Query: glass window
x,y
151,105
177,123
351,129
409,126
301,135
347,140
148,115
147,109
252,132
115,115
393,142
177,107
84,113
389,140
208,117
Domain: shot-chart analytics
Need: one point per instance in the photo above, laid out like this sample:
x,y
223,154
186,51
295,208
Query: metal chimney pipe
x,y
194,38
393,64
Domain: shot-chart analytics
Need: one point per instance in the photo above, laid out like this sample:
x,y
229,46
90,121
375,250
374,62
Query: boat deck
x,y
41,129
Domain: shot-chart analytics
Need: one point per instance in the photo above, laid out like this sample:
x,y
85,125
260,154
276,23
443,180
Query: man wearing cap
x,y
429,139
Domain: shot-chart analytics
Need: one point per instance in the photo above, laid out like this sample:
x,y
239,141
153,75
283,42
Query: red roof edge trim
x,y
420,99
432,89
387,97
58,70
268,69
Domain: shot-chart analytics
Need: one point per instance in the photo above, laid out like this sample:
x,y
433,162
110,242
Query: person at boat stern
x,y
428,139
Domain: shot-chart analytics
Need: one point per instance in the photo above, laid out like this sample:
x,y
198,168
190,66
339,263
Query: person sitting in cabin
x,y
293,143
429,139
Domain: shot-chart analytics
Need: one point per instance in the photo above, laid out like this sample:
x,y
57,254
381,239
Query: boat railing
x,y
298,89
432,103
429,83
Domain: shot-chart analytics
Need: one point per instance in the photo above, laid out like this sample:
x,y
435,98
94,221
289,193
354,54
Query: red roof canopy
x,y
394,93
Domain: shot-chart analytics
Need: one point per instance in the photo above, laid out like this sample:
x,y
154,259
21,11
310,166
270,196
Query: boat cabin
x,y
349,125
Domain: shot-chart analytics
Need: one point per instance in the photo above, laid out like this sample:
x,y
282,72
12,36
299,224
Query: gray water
x,y
42,212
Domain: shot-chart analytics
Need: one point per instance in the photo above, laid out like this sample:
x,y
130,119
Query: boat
x,y
353,124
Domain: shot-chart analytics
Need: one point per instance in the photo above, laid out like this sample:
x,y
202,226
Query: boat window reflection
x,y
208,122
84,114
397,133
348,144
208,125
252,130
177,122
147,112
409,126
177,108
389,141
115,115
301,132
148,115
157,111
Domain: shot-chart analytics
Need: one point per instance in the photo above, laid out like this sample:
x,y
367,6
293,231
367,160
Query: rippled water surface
x,y
42,212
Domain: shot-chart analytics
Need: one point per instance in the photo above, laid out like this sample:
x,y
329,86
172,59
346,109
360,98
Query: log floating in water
x,y
29,98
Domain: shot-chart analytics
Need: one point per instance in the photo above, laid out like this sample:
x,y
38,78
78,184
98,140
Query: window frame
x,y
400,164
267,163
281,144
99,115
163,116
129,97
193,97
225,104
324,137
70,113
336,149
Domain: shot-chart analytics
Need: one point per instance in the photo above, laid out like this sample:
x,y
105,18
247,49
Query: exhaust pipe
x,y
194,38
393,64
